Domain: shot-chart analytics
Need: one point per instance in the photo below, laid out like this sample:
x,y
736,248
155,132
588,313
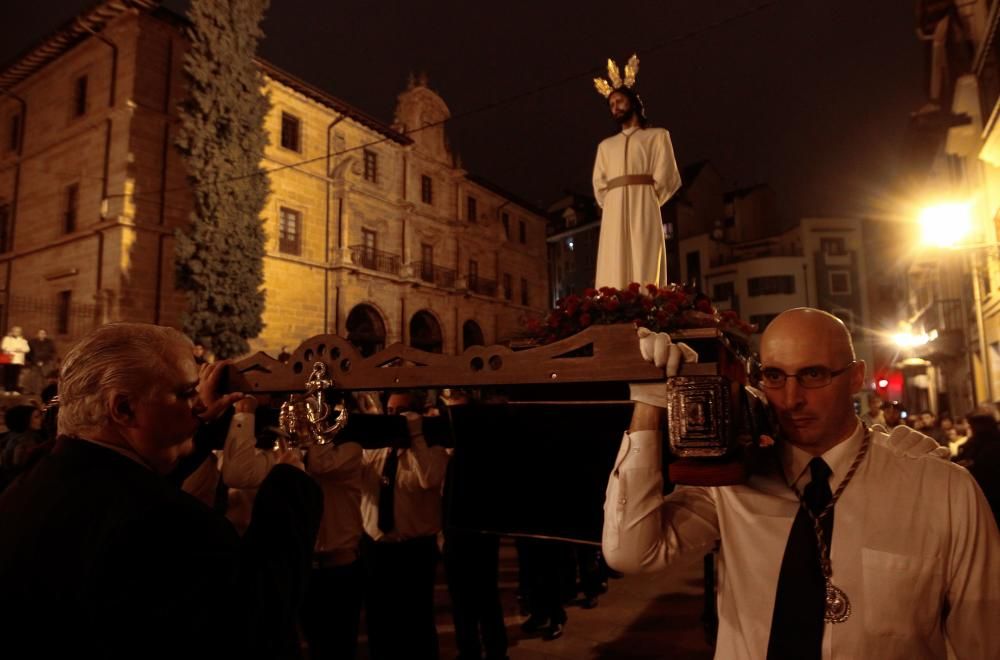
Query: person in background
x,y
16,347
42,359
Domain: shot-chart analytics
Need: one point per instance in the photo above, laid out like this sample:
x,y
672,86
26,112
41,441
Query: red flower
x,y
585,320
611,304
587,305
704,305
634,287
652,289
590,292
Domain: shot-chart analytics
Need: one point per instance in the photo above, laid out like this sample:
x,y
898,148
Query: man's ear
x,y
858,376
120,409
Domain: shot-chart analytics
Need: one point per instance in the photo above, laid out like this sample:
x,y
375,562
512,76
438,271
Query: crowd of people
x,y
158,515
973,440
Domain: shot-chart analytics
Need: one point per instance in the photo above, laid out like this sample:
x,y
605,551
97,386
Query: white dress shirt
x,y
417,499
915,548
336,468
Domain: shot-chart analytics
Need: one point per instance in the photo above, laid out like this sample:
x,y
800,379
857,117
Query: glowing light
x,y
883,383
945,225
910,340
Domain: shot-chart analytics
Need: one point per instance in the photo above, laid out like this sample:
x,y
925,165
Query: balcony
x,y
383,262
482,286
426,271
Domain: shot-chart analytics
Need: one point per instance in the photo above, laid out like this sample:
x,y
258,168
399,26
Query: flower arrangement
x,y
661,309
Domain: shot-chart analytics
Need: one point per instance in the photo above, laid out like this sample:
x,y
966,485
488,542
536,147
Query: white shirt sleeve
x,y
243,465
334,460
973,565
643,531
428,466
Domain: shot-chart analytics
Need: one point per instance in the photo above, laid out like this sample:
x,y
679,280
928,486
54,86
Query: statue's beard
x,y
625,117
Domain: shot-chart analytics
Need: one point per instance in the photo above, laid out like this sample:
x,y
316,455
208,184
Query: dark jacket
x,y
100,557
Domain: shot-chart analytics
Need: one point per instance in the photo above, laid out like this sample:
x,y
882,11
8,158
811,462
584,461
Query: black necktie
x,y
797,624
386,503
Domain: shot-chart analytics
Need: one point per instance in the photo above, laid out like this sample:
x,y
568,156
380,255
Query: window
x,y
15,133
427,262
524,291
508,287
63,303
291,132
426,190
4,226
470,209
840,282
69,214
832,246
290,232
771,285
369,242
723,291
693,262
371,166
80,97
762,320
522,232
505,219
473,272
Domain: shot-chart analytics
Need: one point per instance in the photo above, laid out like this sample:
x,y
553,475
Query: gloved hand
x,y
904,441
657,348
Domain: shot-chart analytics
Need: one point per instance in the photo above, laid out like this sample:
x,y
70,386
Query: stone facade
x,y
362,217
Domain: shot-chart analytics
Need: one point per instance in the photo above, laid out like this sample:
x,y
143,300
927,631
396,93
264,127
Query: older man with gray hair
x,y
123,563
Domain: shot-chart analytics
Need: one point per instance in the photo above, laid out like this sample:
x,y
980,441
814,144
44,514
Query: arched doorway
x,y
425,332
472,335
366,330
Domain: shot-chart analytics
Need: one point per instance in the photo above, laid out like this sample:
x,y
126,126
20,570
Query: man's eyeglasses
x,y
810,377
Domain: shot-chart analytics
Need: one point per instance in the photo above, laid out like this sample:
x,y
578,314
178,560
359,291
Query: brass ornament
x,y
304,417
614,80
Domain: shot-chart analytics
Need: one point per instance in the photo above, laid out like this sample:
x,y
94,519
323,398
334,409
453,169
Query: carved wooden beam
x,y
598,354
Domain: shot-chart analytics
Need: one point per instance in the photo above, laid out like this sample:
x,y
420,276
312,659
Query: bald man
x,y
908,572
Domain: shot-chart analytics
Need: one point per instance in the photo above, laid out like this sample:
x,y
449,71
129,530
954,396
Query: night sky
x,y
809,96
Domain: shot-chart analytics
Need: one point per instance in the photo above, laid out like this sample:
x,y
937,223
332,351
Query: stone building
x,y
373,231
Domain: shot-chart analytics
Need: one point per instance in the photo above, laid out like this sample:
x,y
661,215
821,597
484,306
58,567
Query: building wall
x,y
133,193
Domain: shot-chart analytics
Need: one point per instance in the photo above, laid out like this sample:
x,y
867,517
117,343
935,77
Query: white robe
x,y
631,247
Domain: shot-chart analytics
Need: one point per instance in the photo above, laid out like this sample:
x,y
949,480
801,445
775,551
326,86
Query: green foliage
x,y
219,256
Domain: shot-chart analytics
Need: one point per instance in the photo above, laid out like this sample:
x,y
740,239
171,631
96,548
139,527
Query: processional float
x,y
533,453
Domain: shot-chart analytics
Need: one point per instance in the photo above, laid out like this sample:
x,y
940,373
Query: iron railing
x,y
426,271
383,262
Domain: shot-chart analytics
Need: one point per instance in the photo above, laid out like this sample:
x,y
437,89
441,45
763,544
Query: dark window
x,y
80,97
63,304
723,291
426,190
291,132
771,285
15,132
832,246
505,219
426,262
522,232
508,287
369,242
70,212
473,272
4,226
371,166
693,260
524,291
470,209
840,282
290,232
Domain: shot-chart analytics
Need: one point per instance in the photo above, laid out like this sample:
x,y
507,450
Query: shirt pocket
x,y
902,593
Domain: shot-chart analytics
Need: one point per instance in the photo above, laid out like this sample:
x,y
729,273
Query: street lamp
x,y
945,225
949,225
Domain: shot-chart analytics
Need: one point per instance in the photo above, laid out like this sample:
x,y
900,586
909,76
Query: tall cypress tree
x,y
219,255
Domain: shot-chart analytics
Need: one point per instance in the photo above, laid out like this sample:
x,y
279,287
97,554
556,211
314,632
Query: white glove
x,y
904,441
657,348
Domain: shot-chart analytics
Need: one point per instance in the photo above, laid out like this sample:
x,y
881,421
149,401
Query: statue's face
x,y
620,106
